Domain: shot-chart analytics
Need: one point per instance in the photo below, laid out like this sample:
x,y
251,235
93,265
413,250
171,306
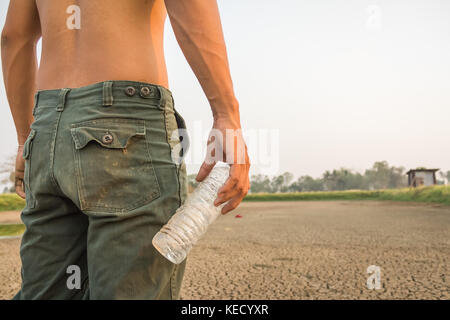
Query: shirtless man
x,y
95,126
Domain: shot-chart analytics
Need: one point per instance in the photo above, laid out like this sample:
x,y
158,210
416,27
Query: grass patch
x,y
11,202
432,194
8,230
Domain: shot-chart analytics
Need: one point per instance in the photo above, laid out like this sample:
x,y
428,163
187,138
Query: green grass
x,y
11,202
11,230
433,194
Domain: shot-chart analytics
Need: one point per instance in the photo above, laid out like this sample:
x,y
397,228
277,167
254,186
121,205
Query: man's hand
x,y
19,39
19,171
226,138
198,29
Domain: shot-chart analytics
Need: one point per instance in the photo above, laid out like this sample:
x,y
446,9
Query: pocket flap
x,y
110,133
26,145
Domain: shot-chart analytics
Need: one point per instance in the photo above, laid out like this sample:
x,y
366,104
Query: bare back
x,y
116,40
119,40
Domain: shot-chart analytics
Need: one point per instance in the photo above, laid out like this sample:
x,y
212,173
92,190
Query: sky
x,y
322,84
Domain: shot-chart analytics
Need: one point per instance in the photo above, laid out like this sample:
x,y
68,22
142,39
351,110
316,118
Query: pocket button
x,y
145,91
130,91
107,138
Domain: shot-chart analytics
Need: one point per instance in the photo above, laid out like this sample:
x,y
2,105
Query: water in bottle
x,y
191,220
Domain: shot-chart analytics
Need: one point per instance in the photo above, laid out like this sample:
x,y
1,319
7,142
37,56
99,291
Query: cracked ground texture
x,y
309,250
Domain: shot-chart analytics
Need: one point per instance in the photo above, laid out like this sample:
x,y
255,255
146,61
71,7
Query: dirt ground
x,y
10,217
309,250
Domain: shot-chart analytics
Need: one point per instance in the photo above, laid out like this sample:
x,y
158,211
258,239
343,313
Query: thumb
x,y
204,171
19,188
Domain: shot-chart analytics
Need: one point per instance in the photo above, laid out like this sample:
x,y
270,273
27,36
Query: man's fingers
x,y
228,188
19,173
232,204
236,185
204,171
238,190
233,178
20,193
19,188
225,196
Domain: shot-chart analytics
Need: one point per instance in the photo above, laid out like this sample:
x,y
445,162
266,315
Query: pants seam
x,y
173,285
52,152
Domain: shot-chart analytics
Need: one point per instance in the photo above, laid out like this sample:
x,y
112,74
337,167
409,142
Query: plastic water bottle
x,y
190,221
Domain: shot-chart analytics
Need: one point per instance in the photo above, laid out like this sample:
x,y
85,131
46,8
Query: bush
x,y
9,230
10,202
433,194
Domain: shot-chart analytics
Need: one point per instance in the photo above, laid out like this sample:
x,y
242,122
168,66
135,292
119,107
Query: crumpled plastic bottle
x,y
188,224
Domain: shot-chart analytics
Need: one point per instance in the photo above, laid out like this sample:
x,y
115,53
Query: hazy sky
x,y
343,82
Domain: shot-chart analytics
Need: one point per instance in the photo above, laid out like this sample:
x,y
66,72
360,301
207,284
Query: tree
x,y
7,174
445,176
306,183
260,183
263,183
382,176
281,183
342,179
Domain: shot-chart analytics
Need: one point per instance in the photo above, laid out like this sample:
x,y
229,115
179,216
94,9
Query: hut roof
x,y
422,170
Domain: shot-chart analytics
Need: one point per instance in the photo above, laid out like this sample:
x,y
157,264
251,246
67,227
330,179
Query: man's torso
x,y
116,40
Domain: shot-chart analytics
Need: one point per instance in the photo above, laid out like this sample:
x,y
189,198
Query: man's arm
x,y
18,45
198,29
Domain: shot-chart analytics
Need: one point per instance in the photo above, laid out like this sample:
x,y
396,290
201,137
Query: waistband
x,y
105,92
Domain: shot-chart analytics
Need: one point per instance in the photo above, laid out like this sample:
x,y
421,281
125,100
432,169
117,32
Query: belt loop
x,y
162,98
36,101
173,102
107,93
62,99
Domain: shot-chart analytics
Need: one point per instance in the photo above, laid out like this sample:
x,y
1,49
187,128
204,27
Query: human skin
x,y
122,40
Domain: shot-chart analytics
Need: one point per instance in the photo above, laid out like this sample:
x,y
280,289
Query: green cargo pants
x,y
100,181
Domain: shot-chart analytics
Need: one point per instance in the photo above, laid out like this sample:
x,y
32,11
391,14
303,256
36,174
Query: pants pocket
x,y
26,155
178,140
184,142
114,168
182,132
177,135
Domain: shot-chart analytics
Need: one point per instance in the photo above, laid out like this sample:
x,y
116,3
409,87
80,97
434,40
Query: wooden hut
x,y
421,177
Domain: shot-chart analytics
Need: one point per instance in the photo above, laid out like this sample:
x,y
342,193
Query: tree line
x,y
380,176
